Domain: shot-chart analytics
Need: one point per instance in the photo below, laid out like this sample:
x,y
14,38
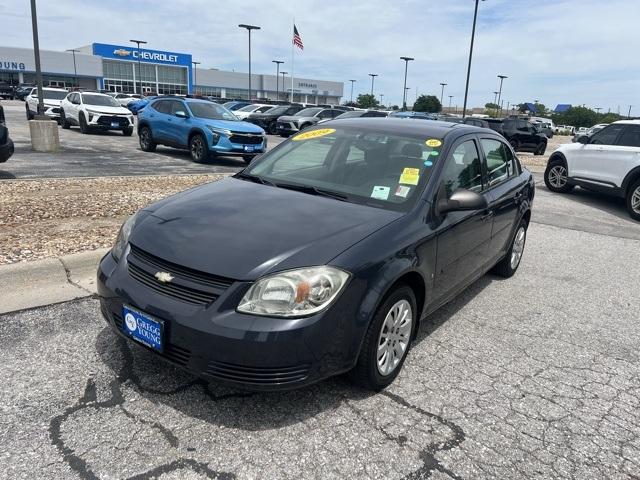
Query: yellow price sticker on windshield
x,y
410,176
314,134
433,142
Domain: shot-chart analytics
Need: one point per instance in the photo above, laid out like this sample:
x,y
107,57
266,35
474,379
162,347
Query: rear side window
x,y
463,169
608,135
630,137
162,106
500,161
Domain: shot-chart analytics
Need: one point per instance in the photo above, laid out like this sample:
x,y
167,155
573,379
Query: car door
x,y
463,237
158,119
179,127
74,107
505,190
595,161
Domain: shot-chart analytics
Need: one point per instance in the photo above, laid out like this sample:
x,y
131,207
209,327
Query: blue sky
x,y
556,51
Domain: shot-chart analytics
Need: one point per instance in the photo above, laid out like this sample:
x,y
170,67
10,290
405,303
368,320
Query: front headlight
x,y
294,293
95,112
123,237
221,131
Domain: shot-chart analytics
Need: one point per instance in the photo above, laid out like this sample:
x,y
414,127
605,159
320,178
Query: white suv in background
x,y
244,112
95,111
51,99
607,162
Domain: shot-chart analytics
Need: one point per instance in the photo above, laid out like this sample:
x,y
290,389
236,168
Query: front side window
x,y
54,94
463,169
500,164
99,100
608,135
366,167
630,137
210,111
162,106
309,112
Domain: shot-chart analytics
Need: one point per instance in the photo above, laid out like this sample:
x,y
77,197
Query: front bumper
x,y
239,144
287,128
6,151
215,342
109,122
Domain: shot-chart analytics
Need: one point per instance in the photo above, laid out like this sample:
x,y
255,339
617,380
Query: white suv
x,y
608,162
95,111
51,99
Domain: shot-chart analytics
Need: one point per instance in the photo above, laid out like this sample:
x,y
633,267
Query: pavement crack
x,y
70,281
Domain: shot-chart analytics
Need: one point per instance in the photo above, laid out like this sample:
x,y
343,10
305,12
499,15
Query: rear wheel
x,y
64,123
633,200
271,128
509,264
541,149
198,148
514,144
146,140
29,114
84,128
556,177
387,340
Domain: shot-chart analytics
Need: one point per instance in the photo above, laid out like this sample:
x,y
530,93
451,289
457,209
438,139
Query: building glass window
x,y
118,70
209,91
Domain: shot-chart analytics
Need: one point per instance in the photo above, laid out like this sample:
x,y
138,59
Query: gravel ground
x,y
48,218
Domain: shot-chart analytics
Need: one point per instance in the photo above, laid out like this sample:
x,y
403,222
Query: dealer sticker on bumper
x,y
142,328
248,148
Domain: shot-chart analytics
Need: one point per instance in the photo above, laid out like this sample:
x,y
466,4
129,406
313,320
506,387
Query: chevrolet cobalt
x,y
322,256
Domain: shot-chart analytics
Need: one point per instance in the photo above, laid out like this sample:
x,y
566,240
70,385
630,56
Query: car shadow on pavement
x,y
606,203
217,160
4,175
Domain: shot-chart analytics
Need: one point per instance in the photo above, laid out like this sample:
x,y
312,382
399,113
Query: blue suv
x,y
204,128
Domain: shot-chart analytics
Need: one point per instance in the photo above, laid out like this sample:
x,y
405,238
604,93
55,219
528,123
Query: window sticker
x,y
428,163
380,192
314,134
402,191
410,176
435,153
433,142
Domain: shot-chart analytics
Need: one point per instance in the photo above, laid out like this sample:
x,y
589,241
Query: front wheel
x,y
633,201
509,264
29,114
198,148
146,140
64,123
84,128
387,341
556,177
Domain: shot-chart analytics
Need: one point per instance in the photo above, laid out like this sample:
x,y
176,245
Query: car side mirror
x,y
462,200
181,114
583,139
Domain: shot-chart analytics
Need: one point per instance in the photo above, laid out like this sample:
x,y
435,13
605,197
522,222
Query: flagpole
x,y
292,65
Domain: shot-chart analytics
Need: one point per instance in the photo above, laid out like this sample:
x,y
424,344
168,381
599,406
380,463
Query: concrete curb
x,y
52,280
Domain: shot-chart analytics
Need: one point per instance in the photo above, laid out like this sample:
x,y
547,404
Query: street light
x,y
283,74
249,28
138,42
629,114
404,92
75,70
352,82
36,54
442,92
381,95
278,62
501,77
473,34
373,77
495,98
450,97
195,76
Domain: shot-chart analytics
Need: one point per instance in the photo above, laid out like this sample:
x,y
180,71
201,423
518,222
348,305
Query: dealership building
x,y
128,69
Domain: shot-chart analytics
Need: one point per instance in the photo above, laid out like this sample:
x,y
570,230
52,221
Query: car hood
x,y
235,126
296,118
569,147
243,230
51,102
107,109
262,116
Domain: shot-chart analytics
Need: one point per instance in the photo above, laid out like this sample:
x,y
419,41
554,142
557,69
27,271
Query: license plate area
x,y
115,124
143,328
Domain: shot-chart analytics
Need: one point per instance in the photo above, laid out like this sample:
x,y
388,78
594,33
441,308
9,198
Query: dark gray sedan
x,y
290,124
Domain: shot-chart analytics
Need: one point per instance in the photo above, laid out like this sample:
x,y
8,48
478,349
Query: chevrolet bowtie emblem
x,y
163,277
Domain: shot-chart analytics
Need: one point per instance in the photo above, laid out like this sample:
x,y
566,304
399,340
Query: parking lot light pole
x,y
249,28
278,63
139,42
283,91
381,95
195,76
450,98
373,77
36,54
629,114
473,34
501,77
75,70
352,82
404,92
442,92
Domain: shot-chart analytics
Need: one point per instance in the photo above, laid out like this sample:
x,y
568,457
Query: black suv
x,y
6,145
268,120
523,136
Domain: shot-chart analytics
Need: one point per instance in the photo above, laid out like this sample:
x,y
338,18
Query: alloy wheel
x,y
635,200
144,138
557,176
197,148
394,337
518,247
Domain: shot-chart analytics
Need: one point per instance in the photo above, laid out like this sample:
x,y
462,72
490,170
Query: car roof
x,y
93,93
54,88
629,122
400,126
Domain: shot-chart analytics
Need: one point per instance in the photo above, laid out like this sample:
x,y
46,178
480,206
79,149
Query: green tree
x,y
427,103
350,104
491,106
577,117
540,108
366,100
395,107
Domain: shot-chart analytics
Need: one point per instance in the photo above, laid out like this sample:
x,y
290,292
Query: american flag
x,y
297,41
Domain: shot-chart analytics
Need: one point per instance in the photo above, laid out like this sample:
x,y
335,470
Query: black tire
x,y
127,132
555,177
633,200
84,128
366,372
248,158
145,137
541,149
510,263
29,114
272,129
198,148
514,144
64,123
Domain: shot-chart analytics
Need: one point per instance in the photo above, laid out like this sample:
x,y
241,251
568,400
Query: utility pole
x,y
278,63
139,42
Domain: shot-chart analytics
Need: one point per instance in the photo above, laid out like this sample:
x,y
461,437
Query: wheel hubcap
x,y
394,337
635,200
558,176
196,148
144,138
518,248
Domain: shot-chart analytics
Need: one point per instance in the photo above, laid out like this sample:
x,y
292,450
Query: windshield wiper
x,y
312,190
253,178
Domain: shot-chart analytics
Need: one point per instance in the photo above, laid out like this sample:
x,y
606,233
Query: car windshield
x,y
277,110
52,94
352,114
309,112
99,100
367,167
211,111
249,108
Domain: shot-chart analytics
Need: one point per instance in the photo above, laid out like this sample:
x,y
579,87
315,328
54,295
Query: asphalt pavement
x,y
100,154
536,376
